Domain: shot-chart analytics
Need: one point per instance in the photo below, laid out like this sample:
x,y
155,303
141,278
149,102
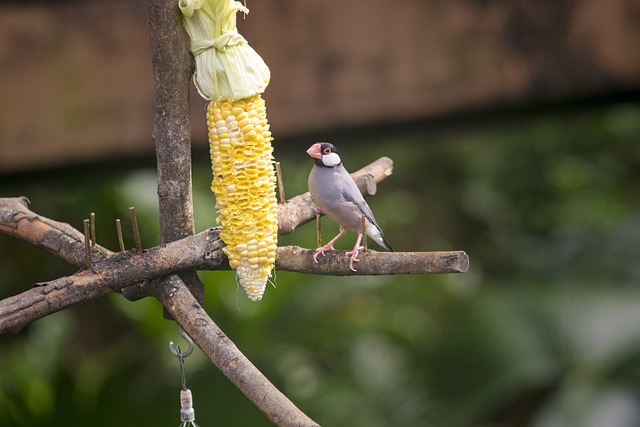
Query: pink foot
x,y
354,256
321,250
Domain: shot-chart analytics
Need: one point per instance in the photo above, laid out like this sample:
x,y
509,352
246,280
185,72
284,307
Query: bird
x,y
336,194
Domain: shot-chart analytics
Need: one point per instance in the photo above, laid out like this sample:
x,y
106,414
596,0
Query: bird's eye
x,y
327,150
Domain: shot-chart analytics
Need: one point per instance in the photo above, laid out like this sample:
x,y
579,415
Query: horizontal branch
x,y
372,263
203,251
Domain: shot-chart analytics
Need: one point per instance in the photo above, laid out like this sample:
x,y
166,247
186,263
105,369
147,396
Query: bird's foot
x,y
354,256
321,250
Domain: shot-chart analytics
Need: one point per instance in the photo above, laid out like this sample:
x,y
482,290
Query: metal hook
x,y
175,349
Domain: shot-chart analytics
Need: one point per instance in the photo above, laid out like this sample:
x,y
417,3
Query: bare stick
x,y
121,270
283,199
120,238
201,251
136,230
117,272
87,244
93,229
364,230
318,231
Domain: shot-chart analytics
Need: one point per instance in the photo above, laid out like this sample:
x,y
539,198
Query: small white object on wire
x,y
187,413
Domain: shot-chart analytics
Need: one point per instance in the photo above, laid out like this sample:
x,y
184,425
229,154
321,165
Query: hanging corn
x,y
232,76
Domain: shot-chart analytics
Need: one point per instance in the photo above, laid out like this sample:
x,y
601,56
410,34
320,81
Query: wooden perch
x,y
372,263
200,251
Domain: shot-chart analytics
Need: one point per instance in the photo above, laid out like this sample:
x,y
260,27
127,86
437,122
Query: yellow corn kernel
x,y
244,186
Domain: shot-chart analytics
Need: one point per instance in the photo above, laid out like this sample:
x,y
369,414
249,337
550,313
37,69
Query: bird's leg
x,y
329,246
354,253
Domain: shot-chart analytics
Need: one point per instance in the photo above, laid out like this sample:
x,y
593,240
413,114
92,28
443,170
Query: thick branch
x,y
202,251
172,71
225,355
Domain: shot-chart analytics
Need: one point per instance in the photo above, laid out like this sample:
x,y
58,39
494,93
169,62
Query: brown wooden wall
x,y
75,76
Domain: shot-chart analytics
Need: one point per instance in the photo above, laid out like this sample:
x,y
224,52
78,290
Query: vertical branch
x,y
172,70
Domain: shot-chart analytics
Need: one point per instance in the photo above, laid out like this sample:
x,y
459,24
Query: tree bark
x,y
172,71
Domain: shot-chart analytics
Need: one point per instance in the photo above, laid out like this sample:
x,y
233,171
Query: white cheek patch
x,y
331,160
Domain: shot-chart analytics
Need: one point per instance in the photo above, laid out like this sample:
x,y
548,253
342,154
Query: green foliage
x,y
543,330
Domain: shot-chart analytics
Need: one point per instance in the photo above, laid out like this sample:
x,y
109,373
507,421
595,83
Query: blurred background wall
x,y
76,82
515,131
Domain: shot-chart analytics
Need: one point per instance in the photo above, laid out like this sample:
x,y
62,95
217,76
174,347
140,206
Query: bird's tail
x,y
377,235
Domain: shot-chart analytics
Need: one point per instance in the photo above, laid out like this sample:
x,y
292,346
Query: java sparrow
x,y
338,197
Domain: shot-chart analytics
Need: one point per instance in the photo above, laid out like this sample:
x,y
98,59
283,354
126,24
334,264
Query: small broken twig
x,y
87,244
136,230
120,238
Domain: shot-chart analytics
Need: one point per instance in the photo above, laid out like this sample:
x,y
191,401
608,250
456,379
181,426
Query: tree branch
x,y
172,71
372,263
200,251
59,238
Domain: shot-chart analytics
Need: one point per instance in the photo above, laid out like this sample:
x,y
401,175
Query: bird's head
x,y
324,154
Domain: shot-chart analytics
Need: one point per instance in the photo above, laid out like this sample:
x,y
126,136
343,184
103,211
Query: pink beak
x,y
314,151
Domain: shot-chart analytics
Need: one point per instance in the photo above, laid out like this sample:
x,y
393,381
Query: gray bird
x,y
338,197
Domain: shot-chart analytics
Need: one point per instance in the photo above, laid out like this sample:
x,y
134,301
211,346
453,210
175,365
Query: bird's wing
x,y
354,196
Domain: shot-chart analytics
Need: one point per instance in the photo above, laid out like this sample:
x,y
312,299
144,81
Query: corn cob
x,y
244,185
232,76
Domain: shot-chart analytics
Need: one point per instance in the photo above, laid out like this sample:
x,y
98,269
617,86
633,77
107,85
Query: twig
x,y
119,232
283,198
92,223
87,245
136,229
